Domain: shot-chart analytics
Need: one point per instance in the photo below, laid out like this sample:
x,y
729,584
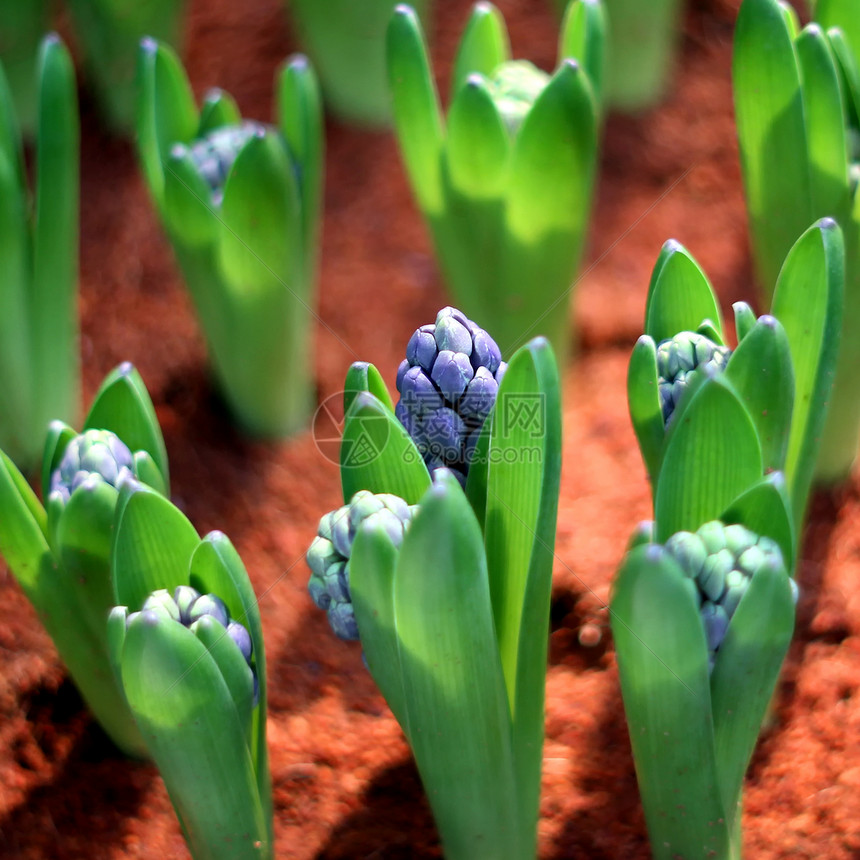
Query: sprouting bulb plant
x,y
448,588
701,627
448,384
60,554
701,410
504,181
186,649
328,556
39,362
797,101
346,42
240,202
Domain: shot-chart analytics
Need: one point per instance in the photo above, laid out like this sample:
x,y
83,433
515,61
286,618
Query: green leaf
x,y
745,674
189,213
583,38
457,712
53,292
680,296
745,319
377,453
371,586
771,132
849,63
196,737
153,546
519,534
166,113
478,143
417,114
58,437
841,14
643,400
761,372
477,477
123,406
363,376
712,455
808,303
219,108
663,667
483,47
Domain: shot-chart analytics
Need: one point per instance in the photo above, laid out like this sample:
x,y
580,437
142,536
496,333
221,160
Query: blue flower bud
x,y
99,454
451,373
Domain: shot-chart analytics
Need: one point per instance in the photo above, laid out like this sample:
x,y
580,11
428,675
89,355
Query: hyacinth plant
x,y
797,100
39,364
186,647
346,42
240,202
641,46
448,588
505,181
109,32
22,28
691,396
60,553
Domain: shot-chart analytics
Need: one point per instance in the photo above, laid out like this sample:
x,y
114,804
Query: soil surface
x,y
344,782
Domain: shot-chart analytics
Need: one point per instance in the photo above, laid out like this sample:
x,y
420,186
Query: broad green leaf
x,y
643,401
53,291
454,691
189,212
218,109
745,674
519,536
844,15
825,125
195,736
583,38
371,586
761,372
765,508
166,113
663,667
771,132
483,47
153,546
478,144
417,114
680,296
377,453
712,455
363,376
808,302
123,406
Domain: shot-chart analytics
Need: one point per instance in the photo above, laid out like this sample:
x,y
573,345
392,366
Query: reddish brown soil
x,y
344,783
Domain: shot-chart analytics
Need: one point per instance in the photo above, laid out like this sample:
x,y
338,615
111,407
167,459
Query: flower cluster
x,y
213,155
448,384
93,456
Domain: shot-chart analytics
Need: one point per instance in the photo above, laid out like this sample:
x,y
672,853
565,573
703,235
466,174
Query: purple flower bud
x,y
421,350
452,372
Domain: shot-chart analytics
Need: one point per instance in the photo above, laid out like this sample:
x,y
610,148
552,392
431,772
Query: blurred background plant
x,y
505,182
346,42
240,202
39,361
797,103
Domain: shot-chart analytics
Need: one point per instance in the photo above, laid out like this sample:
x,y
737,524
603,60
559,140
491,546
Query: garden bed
x,y
344,782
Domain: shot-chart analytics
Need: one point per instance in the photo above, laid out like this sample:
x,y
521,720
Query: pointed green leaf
x,y
663,666
808,303
583,38
377,453
483,47
745,319
771,132
680,296
153,546
146,470
841,14
123,406
477,477
761,372
458,720
643,401
363,376
58,437
189,212
712,455
371,586
417,114
195,736
849,63
219,108
745,674
478,143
